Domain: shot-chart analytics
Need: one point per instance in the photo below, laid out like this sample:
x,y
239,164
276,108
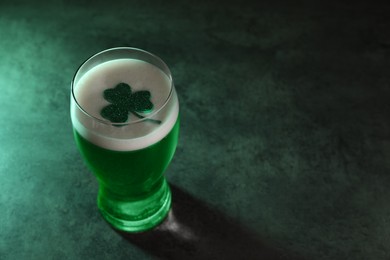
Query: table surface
x,y
284,149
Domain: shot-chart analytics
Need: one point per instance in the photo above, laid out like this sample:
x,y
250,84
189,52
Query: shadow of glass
x,y
192,230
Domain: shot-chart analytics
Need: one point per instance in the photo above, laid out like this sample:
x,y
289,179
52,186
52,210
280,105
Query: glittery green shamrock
x,y
124,101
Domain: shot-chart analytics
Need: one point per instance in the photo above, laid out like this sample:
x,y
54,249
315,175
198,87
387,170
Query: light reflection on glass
x,y
174,227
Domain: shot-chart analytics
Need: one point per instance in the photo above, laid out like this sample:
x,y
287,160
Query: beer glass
x,y
125,118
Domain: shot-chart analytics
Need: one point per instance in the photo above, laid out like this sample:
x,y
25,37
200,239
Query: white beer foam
x,y
140,75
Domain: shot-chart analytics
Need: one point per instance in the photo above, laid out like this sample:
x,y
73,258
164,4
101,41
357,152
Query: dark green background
x,y
285,137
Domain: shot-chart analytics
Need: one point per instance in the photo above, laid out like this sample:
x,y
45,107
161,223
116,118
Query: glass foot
x,y
135,215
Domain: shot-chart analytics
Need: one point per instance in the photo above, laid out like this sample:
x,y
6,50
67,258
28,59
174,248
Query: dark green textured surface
x,y
285,129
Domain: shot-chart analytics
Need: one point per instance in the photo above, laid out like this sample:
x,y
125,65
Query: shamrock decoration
x,y
124,101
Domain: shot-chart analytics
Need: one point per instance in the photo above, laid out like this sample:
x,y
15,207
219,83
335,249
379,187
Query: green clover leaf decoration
x,y
124,101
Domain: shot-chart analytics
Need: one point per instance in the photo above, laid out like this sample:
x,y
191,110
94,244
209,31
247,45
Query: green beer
x,y
125,117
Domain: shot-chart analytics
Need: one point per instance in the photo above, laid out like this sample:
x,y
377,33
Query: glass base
x,y
135,215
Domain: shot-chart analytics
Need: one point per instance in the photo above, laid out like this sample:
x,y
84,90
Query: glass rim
x,y
146,117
